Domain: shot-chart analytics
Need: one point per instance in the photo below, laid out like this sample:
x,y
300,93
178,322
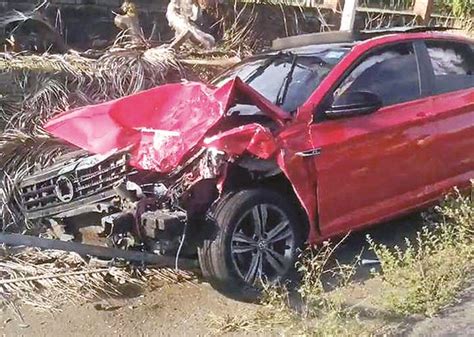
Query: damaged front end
x,y
135,208
178,171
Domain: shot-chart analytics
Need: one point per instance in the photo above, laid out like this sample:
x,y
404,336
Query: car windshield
x,y
287,79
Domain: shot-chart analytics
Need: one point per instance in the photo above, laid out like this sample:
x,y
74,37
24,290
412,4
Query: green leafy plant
x,y
461,8
428,273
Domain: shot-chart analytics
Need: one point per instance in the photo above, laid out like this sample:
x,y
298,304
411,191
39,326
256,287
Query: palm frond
x,y
47,279
20,153
127,71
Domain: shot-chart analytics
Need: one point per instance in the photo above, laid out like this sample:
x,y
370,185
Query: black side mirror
x,y
354,103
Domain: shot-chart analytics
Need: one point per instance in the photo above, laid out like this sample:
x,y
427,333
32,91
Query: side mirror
x,y
354,103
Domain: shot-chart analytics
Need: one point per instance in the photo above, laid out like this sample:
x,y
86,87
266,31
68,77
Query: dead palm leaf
x,y
47,279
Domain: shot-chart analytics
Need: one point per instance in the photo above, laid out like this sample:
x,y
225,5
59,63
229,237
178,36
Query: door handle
x,y
309,153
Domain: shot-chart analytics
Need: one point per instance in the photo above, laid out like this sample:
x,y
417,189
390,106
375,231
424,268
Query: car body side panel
x,y
417,141
300,172
454,141
372,165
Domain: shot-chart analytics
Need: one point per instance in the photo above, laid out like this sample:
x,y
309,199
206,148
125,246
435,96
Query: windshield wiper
x,y
286,83
260,69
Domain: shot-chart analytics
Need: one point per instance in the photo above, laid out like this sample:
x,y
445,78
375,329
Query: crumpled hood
x,y
161,125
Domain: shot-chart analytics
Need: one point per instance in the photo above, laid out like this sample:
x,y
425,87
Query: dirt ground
x,y
186,311
175,310
456,321
189,309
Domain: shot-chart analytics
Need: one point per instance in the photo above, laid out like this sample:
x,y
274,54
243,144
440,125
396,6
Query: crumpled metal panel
x,y
253,138
162,125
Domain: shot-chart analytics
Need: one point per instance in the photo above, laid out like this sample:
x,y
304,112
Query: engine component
x,y
163,228
119,229
159,190
128,190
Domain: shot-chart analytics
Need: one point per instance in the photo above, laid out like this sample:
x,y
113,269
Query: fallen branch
x,y
222,62
180,16
59,275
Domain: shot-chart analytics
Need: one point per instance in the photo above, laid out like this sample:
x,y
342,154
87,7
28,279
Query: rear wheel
x,y
257,238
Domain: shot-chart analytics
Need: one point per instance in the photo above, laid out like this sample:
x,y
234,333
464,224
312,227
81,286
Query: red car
x,y
327,134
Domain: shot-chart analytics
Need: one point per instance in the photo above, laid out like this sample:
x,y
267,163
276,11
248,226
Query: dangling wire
x,y
181,243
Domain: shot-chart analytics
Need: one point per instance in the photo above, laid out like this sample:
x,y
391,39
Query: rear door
x,y
452,65
376,166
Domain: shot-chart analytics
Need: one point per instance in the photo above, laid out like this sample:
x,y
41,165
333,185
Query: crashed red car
x,y
329,134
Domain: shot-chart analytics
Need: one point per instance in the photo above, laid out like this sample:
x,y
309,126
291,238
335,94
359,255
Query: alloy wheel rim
x,y
262,244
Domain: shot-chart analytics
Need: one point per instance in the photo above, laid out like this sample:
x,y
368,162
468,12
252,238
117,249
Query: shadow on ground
x,y
391,234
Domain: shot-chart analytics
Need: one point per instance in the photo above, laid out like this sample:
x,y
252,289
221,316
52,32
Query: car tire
x,y
240,243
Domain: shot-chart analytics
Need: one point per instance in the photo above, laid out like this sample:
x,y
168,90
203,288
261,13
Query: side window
x,y
452,65
391,73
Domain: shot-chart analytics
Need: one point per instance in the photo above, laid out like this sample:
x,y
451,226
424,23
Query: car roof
x,y
319,41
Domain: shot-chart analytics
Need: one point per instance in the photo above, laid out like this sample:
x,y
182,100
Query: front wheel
x,y
257,237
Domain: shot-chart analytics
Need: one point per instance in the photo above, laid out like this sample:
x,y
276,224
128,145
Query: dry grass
x,y
240,33
53,83
48,279
310,310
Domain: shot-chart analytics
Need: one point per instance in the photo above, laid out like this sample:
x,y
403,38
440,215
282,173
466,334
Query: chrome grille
x,y
39,192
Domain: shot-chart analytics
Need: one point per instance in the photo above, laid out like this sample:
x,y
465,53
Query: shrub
x,y
429,272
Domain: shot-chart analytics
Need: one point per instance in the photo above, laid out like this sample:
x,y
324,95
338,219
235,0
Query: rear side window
x,y
390,72
452,65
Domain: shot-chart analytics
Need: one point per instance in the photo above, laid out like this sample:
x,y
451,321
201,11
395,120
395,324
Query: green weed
x,y
427,274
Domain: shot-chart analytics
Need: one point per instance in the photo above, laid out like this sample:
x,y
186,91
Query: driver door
x,y
374,166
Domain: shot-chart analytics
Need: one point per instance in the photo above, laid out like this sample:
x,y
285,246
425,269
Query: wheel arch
x,y
253,172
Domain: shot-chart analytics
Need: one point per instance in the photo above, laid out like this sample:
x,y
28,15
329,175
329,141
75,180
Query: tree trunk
x,y
181,15
129,21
